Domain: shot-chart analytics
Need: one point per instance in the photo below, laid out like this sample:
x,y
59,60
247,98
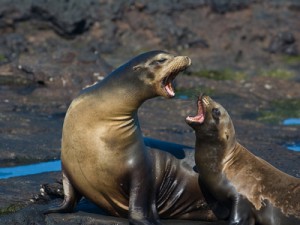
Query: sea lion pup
x,y
254,191
104,157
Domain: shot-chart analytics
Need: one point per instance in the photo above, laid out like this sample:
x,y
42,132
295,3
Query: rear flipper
x,y
71,198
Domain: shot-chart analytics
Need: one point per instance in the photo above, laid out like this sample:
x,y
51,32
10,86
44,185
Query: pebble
x,y
268,86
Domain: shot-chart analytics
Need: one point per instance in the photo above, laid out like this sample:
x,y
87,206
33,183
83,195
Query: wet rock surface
x,y
244,53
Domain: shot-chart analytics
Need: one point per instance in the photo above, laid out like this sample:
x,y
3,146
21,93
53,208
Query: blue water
x,y
291,121
295,147
17,171
183,97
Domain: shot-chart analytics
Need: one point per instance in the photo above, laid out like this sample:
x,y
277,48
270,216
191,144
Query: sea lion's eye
x,y
216,112
161,60
158,61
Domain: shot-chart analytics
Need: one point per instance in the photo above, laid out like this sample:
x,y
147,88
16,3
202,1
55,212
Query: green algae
x,y
291,60
280,110
278,73
10,209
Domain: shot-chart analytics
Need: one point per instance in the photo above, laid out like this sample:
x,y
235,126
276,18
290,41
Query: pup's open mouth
x,y
167,81
199,118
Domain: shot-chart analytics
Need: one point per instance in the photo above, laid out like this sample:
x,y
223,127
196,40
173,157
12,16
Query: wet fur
x,y
253,190
105,159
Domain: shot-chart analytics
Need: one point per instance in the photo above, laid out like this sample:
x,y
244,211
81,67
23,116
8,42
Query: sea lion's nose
x,y
189,60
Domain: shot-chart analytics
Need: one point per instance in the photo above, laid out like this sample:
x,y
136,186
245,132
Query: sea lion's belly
x,y
101,182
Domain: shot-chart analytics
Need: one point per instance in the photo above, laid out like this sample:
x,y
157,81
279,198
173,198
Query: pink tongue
x,y
170,90
198,118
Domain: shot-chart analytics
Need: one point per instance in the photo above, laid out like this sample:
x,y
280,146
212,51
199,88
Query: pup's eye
x,y
216,112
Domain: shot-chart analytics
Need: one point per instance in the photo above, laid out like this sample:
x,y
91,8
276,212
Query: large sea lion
x,y
104,157
254,191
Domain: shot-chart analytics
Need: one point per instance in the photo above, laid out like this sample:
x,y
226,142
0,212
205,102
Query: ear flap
x,y
137,67
226,135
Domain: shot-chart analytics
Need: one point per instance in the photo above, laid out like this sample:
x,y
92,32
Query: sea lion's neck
x,y
116,98
210,163
126,95
212,155
209,156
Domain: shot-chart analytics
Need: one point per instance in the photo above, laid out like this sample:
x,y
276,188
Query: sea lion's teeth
x,y
197,118
168,84
169,89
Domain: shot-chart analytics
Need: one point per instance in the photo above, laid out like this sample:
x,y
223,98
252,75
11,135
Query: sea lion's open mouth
x,y
199,118
167,84
179,64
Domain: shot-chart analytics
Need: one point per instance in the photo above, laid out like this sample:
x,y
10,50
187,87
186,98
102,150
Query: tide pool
x,y
16,171
291,121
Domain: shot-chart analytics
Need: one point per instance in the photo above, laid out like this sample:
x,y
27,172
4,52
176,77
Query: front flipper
x,y
71,198
142,199
241,213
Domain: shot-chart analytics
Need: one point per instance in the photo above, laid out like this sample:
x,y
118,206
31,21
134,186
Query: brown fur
x,y
105,159
254,191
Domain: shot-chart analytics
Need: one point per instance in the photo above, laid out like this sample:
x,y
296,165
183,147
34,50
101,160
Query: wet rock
x,y
168,7
19,192
172,34
53,190
41,72
11,45
68,17
283,43
30,215
64,70
23,204
223,6
33,215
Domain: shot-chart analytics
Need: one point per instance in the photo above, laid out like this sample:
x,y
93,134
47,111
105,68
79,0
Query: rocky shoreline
x,y
245,55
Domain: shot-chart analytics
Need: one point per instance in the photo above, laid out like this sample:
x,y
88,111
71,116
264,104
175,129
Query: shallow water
x,y
17,171
294,147
291,121
183,97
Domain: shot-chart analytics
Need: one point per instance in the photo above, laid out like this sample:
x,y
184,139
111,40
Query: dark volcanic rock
x,y
283,43
68,72
30,215
41,71
11,45
36,90
63,69
223,6
23,203
68,17
16,193
33,215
